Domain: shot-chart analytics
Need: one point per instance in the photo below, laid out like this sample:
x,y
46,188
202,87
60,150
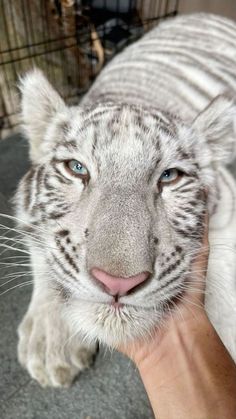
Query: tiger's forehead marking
x,y
104,123
111,113
114,136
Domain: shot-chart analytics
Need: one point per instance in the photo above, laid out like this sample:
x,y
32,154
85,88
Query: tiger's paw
x,y
48,349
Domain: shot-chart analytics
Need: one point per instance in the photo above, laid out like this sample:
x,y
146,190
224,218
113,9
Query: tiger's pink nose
x,y
115,285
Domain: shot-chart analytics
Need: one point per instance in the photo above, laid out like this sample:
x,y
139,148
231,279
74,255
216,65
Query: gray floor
x,y
110,389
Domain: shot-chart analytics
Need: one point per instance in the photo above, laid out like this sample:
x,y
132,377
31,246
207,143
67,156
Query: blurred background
x,y
71,41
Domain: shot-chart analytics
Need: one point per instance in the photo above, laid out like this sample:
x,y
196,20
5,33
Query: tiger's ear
x,y
40,102
217,123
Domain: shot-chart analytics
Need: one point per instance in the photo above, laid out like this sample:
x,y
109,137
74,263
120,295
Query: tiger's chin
x,y
113,325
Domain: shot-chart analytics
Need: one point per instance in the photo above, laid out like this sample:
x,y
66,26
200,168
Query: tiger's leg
x,y
48,347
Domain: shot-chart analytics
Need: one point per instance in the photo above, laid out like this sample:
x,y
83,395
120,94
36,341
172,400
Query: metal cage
x,y
70,40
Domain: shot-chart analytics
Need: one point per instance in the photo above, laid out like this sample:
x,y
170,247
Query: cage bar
x,y
70,40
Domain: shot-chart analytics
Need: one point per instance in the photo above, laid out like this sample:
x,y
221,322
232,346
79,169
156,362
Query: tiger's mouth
x,y
116,303
166,307
113,322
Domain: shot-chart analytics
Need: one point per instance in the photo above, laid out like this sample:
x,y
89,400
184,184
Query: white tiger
x,y
113,204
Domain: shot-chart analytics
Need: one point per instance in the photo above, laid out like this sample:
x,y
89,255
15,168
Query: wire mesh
x,y
70,40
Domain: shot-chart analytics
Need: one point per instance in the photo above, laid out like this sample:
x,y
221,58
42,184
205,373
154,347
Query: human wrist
x,y
189,373
171,339
166,369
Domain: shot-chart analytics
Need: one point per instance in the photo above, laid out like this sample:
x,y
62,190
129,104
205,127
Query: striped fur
x,y
179,66
144,114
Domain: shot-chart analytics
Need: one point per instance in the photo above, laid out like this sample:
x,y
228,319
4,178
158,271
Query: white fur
x,y
118,204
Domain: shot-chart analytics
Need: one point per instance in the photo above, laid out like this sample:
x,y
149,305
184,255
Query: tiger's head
x,y
116,194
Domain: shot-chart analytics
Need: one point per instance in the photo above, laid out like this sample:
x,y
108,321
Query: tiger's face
x,y
116,193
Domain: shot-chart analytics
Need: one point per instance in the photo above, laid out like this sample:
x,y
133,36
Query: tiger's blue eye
x,y
77,168
169,175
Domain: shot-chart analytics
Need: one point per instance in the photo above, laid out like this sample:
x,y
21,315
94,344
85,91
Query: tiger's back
x,y
180,66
